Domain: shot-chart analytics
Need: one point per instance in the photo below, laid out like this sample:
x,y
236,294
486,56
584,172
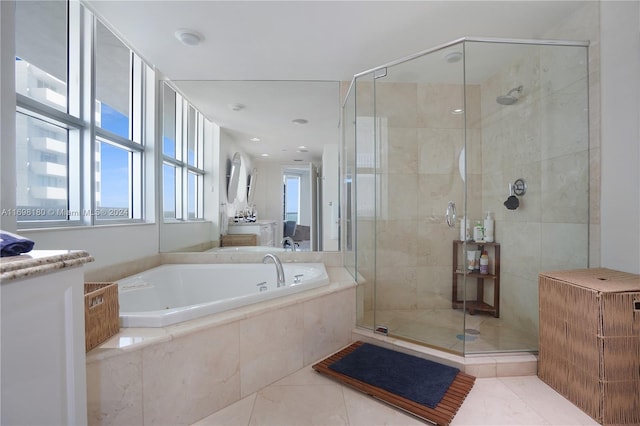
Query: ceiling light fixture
x,y
300,121
236,107
457,111
453,57
264,155
188,37
255,139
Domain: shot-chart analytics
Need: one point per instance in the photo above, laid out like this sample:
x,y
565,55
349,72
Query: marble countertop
x,y
38,262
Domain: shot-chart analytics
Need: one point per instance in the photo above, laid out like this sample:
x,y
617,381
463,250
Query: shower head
x,y
509,99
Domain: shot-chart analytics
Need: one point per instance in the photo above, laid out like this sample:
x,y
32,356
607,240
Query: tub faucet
x,y
279,270
288,241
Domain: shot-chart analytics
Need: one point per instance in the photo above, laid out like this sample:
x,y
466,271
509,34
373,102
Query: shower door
x,y
418,128
475,123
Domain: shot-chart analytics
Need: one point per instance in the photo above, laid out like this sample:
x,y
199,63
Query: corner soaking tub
x,y
170,294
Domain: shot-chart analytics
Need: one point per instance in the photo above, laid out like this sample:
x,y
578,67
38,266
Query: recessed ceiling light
x,y
264,155
236,107
255,139
457,111
453,57
300,121
188,37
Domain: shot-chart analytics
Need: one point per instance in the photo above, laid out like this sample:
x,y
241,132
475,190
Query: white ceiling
x,y
305,40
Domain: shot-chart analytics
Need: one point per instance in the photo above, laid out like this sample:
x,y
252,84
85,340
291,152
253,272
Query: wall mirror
x,y
274,126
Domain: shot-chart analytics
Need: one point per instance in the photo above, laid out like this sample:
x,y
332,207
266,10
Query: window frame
x,y
84,133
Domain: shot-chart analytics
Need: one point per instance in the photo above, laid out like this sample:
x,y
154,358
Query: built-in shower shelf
x,y
492,278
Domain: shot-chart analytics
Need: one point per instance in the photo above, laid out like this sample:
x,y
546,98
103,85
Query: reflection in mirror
x,y
271,125
251,191
234,177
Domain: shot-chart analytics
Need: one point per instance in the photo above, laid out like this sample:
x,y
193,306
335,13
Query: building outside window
x,y
75,165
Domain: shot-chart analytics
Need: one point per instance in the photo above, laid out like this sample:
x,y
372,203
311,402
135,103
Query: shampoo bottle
x,y
484,263
488,228
478,234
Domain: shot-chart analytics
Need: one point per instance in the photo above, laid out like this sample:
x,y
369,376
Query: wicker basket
x,y
589,347
101,313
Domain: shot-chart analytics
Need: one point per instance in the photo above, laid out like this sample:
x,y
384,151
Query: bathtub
x,y
170,294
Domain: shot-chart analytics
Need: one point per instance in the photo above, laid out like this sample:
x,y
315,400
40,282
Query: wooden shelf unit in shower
x,y
459,272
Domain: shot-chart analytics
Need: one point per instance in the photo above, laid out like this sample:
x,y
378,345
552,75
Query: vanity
x,y
265,231
43,344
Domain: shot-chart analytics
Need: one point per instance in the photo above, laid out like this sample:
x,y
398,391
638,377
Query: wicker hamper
x,y
589,349
101,313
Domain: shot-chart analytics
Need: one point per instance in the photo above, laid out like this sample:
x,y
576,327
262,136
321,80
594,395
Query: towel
x,y
13,245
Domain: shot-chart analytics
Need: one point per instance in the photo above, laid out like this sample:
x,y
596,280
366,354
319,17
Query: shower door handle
x,y
450,214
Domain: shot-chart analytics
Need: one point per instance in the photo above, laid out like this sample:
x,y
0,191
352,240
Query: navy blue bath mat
x,y
410,377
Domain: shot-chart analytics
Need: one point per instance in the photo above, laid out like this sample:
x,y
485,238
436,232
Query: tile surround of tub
x,y
189,370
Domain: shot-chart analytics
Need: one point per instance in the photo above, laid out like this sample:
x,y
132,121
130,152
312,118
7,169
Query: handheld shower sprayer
x,y
509,98
519,187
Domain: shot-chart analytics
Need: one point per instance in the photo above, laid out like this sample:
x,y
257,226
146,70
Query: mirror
x,y
234,177
271,125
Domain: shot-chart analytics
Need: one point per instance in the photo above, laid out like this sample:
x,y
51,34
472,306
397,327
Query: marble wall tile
x,y
565,189
114,390
328,322
433,287
439,150
435,104
565,246
436,190
566,121
396,288
520,248
519,303
397,102
191,376
398,196
396,243
434,244
401,149
271,347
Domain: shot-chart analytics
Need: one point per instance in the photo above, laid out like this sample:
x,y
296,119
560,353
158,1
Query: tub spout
x,y
279,270
288,242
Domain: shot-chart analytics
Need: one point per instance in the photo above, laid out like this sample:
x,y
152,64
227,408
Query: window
x,y
41,52
79,158
291,197
183,154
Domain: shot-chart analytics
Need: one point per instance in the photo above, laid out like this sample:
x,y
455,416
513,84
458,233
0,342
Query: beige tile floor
x,y
307,398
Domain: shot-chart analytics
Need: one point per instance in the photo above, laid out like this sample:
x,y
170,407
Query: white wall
x,y
620,106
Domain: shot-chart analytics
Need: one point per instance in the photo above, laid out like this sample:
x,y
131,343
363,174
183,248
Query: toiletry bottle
x,y
478,234
463,229
484,263
488,228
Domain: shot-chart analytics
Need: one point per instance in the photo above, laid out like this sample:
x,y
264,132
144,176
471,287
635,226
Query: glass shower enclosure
x,y
466,128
